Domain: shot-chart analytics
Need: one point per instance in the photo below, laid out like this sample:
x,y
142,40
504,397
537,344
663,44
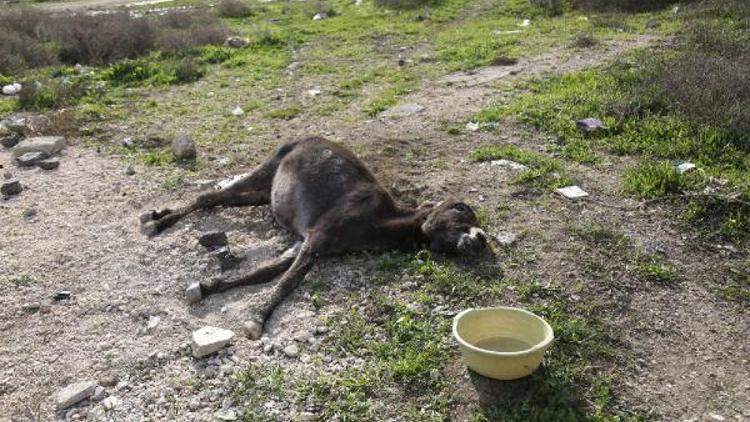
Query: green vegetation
x,y
407,355
544,173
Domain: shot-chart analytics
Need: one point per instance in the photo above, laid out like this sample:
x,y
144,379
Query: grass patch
x,y
544,173
286,113
655,272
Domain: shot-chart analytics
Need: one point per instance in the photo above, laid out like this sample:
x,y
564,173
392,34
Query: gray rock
x,y
321,329
153,321
213,240
193,293
236,42
320,16
49,164
184,148
506,238
226,415
16,125
653,24
29,212
130,171
7,175
511,165
110,403
291,351
75,393
99,394
31,159
590,125
402,110
96,413
208,340
252,329
12,89
47,144
10,188
9,141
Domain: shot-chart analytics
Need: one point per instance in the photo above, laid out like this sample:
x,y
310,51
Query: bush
x,y
234,9
403,4
53,94
653,180
188,70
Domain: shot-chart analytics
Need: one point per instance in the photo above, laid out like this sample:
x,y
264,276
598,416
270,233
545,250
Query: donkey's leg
x,y
263,273
289,281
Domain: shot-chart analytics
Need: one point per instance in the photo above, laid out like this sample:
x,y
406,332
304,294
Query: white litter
x,y
572,192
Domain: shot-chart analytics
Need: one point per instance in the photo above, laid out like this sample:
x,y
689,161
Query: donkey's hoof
x,y
252,329
150,229
193,293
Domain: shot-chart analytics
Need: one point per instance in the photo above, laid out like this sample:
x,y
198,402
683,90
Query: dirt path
x,y
83,237
95,4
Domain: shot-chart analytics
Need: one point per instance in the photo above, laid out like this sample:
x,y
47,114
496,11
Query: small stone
x,y
572,192
472,126
208,340
717,417
291,351
99,394
194,404
506,238
193,293
511,165
402,110
252,329
321,329
130,171
653,24
227,260
9,141
153,321
75,393
109,380
590,125
10,188
268,348
238,111
684,167
16,125
30,159
184,148
29,212
7,175
62,295
226,415
48,144
213,240
526,23
96,413
31,308
236,42
110,403
12,89
49,164
320,16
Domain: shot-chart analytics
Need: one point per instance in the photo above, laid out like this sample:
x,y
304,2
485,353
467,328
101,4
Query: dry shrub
x,y
234,9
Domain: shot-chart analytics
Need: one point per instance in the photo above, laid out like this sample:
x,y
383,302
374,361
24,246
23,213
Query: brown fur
x,y
324,194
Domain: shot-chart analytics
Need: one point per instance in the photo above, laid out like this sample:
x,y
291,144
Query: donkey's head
x,y
452,226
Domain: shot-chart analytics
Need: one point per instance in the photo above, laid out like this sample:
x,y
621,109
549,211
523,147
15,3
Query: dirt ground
x,y
83,236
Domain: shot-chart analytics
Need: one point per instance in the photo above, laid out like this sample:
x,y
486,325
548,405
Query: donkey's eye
x,y
462,208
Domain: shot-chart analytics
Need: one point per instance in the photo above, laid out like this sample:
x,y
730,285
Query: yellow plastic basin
x,y
502,343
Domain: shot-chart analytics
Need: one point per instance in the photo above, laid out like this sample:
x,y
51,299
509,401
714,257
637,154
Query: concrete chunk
x,y
75,393
48,144
208,340
572,192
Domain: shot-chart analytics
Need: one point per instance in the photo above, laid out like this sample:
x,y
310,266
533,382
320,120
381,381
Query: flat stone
x,y
15,124
48,144
208,340
11,187
402,110
61,295
511,165
572,192
291,351
685,167
213,240
590,125
31,159
49,164
75,393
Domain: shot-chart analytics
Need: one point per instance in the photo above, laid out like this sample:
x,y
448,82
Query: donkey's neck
x,y
403,230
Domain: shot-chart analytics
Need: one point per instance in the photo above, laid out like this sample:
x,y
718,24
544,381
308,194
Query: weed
x,y
234,9
158,158
544,173
286,113
20,280
655,272
653,180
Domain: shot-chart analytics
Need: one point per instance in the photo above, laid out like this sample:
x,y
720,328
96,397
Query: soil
x,y
84,238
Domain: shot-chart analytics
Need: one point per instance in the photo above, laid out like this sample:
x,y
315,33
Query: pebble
x,y
252,329
321,329
110,402
472,126
320,16
75,393
30,159
10,188
291,351
49,164
238,111
153,321
208,340
184,148
130,171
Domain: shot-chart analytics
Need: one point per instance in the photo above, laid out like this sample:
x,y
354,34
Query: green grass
x,y
19,280
404,343
655,272
544,173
